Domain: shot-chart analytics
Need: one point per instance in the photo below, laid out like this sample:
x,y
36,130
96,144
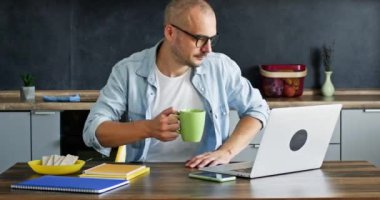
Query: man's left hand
x,y
210,159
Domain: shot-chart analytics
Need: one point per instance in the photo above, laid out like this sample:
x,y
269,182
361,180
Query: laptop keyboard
x,y
245,170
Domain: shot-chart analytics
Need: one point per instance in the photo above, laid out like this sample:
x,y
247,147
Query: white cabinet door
x,y
46,133
333,152
361,135
15,138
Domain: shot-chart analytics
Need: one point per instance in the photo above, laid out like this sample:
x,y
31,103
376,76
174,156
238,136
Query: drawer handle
x,y
372,110
43,113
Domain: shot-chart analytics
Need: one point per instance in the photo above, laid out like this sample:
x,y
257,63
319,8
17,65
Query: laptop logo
x,y
298,140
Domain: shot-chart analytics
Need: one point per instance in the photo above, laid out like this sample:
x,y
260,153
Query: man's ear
x,y
169,32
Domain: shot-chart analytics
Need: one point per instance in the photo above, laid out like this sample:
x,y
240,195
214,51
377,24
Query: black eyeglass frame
x,y
204,38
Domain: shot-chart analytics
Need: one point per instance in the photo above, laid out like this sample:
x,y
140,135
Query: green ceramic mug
x,y
192,122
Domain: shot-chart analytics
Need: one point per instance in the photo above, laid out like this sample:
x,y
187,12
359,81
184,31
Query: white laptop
x,y
295,139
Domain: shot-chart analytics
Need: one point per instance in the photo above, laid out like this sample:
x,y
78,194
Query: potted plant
x,y
327,55
27,92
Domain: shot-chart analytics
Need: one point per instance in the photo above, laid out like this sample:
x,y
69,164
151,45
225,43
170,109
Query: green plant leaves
x,y
28,80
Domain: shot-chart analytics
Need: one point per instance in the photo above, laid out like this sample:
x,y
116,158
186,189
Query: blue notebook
x,y
70,184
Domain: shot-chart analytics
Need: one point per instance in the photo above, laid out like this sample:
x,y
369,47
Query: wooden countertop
x,y
335,180
10,100
351,99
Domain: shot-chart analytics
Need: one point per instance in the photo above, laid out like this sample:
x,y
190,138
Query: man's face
x,y
192,43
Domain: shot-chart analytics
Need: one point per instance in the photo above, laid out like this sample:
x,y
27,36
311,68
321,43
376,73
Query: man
x,y
179,72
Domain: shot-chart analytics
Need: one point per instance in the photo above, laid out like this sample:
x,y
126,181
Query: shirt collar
x,y
150,62
148,68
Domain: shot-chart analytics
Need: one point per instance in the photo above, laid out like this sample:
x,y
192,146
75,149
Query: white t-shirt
x,y
179,93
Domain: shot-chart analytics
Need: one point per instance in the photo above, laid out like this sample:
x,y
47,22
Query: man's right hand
x,y
165,125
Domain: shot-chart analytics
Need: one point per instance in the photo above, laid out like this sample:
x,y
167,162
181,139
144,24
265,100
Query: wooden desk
x,y
336,180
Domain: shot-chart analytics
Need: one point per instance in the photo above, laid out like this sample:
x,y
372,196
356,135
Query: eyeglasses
x,y
200,40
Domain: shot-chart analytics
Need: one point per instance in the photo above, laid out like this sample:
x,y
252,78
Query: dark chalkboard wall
x,y
73,44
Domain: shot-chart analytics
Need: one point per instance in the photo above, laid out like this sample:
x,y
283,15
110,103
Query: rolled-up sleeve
x,y
246,99
110,106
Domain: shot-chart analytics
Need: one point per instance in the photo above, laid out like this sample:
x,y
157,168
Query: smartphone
x,y
212,176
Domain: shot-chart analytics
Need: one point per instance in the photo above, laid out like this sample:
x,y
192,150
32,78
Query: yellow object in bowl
x,y
56,169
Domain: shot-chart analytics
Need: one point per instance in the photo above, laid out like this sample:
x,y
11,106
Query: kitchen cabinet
x,y
45,136
15,138
249,153
361,135
27,136
333,151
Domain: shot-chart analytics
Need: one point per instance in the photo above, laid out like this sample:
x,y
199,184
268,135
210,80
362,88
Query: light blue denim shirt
x,y
131,89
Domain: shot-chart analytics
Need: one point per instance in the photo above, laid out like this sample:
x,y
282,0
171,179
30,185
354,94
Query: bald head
x,y
178,11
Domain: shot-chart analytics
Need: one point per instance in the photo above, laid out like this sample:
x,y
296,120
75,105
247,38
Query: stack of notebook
x,y
115,171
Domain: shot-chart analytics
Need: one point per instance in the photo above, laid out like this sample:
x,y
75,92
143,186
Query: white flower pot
x,y
27,93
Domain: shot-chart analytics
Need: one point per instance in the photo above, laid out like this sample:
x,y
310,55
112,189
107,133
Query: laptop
x,y
295,139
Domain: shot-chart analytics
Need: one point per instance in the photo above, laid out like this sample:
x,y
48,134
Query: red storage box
x,y
282,80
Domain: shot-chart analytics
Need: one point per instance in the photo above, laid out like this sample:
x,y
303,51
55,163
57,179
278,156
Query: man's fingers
x,y
207,159
197,160
168,111
214,163
168,136
205,162
193,163
173,127
173,119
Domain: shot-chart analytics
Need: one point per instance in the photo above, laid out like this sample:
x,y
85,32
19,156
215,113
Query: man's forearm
x,y
113,134
163,127
244,132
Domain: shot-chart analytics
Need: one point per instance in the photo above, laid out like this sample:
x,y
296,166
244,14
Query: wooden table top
x,y
335,180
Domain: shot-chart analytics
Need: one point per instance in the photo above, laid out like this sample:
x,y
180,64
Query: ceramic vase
x,y
328,89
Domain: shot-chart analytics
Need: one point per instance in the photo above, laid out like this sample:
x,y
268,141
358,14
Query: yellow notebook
x,y
127,177
124,171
